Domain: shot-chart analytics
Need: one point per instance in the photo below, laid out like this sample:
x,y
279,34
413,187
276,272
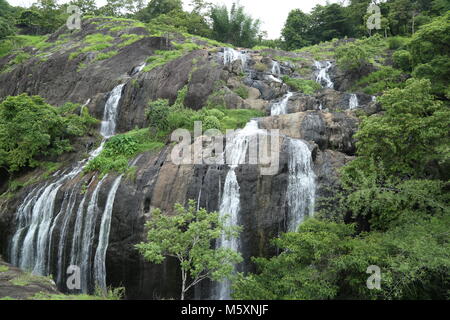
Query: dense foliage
x,y
31,129
188,236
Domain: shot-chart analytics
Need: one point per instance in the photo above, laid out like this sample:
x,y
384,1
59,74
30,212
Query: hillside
x,y
363,151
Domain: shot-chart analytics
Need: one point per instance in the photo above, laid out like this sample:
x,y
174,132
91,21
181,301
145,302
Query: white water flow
x,y
36,220
353,102
230,55
236,152
109,122
280,107
276,70
301,186
323,77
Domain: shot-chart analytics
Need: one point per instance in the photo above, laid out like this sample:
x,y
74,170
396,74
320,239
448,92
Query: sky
x,y
272,13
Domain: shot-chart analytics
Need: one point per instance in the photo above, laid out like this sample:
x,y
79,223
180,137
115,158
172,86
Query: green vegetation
x,y
188,236
351,57
110,294
242,92
164,118
122,148
379,81
162,57
31,129
396,188
301,85
27,279
234,26
4,268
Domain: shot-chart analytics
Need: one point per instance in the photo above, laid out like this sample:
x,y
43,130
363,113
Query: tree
x,y
296,30
328,22
156,8
87,7
234,26
188,236
412,133
430,54
328,260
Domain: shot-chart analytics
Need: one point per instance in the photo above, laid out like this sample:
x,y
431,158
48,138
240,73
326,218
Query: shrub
x,y
302,85
242,92
260,67
31,129
395,43
351,57
403,60
157,114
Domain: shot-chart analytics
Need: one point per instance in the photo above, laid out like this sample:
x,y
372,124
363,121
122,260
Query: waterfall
x,y
276,70
108,128
105,227
280,107
353,102
230,55
230,204
301,185
36,220
323,76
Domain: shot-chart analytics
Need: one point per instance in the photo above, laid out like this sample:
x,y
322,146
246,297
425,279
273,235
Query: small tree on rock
x,y
189,237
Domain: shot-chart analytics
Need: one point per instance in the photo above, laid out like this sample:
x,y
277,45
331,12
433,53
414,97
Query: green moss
x,y
106,55
4,268
7,298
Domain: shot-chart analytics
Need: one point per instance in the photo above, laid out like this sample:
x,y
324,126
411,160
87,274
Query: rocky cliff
x,y
325,121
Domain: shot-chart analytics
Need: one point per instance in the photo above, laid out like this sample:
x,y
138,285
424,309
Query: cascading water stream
x,y
230,205
230,55
301,186
280,107
31,245
276,70
323,77
353,102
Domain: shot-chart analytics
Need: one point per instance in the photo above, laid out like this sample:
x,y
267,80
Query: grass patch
x,y
242,92
162,57
4,268
129,39
110,294
302,85
106,55
27,279
120,149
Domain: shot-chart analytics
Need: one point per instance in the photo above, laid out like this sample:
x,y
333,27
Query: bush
x,y
30,129
242,92
157,114
395,43
403,60
379,81
302,85
352,57
260,67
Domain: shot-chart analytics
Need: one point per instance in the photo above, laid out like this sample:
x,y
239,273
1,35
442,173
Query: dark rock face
x,y
158,182
328,130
